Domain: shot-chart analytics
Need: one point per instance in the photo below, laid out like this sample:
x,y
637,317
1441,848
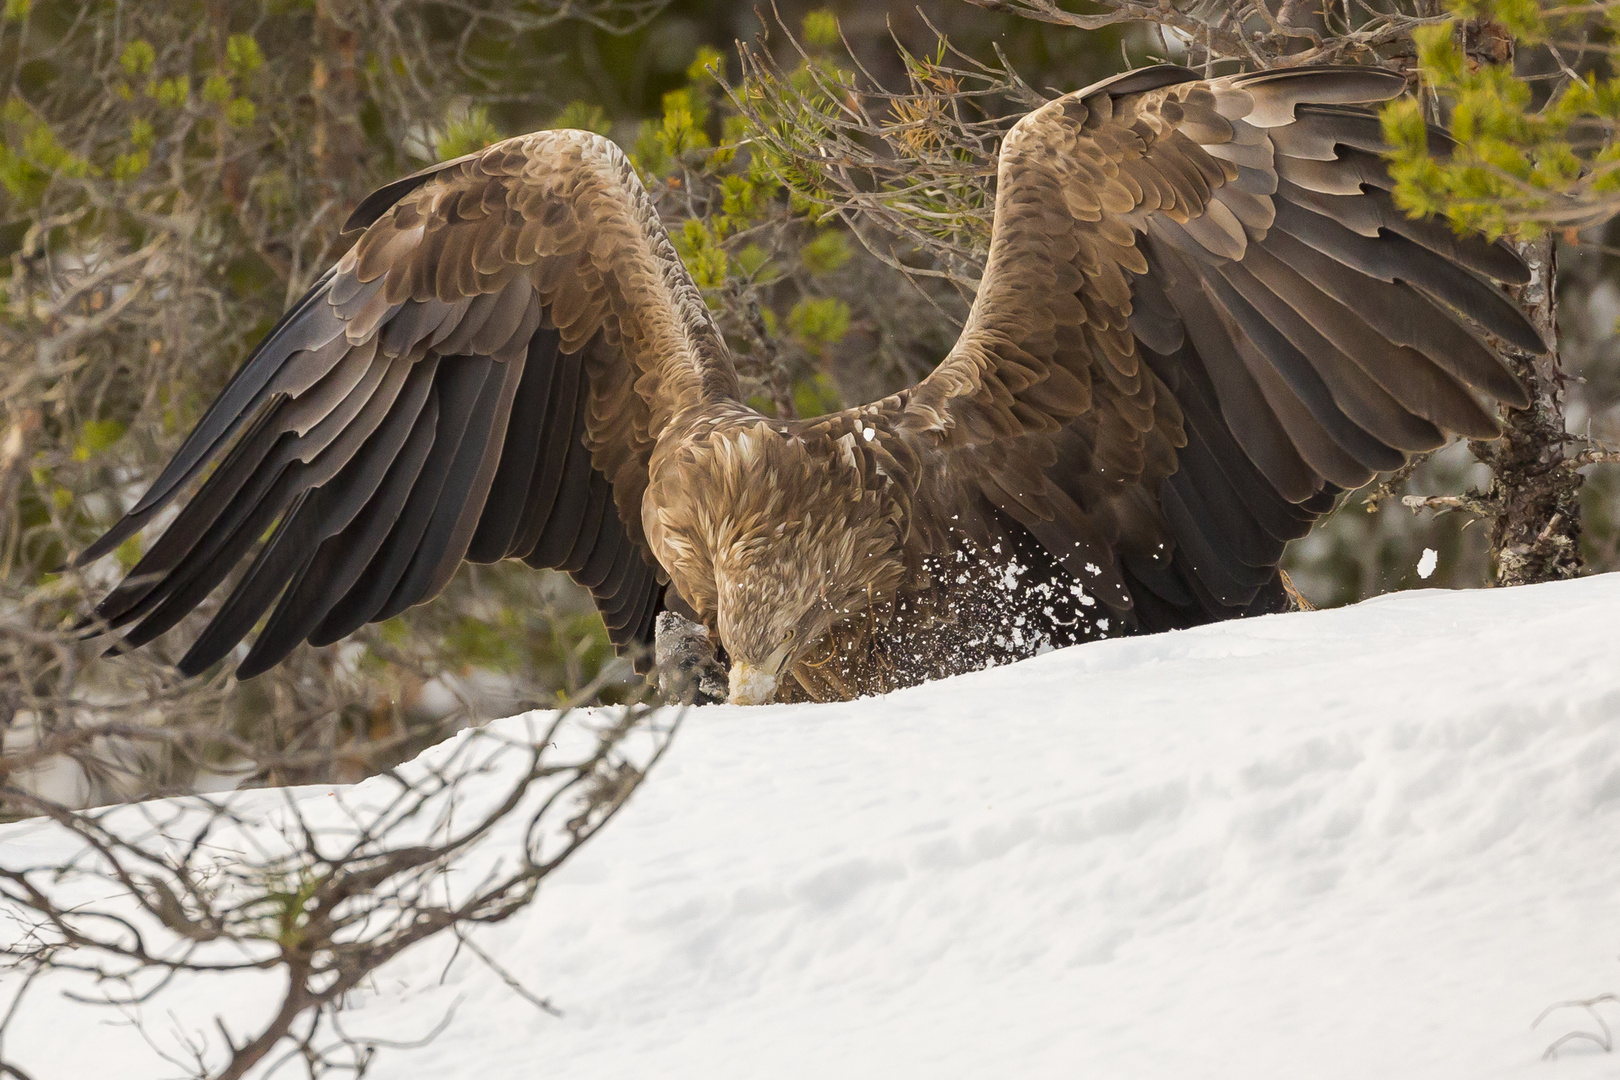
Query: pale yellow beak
x,y
751,685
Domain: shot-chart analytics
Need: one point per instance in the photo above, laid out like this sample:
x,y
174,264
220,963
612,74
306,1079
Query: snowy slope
x,y
1371,842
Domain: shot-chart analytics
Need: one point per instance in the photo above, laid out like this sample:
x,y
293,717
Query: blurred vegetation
x,y
171,175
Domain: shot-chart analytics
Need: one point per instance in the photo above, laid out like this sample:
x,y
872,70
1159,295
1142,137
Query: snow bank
x,y
1372,842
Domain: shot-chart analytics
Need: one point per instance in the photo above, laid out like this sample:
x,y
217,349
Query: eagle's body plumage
x,y
1201,319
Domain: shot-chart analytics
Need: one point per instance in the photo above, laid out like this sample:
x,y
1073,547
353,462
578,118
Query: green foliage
x,y
31,156
649,155
129,553
682,128
819,322
709,61
216,89
170,92
242,59
746,198
138,57
586,640
582,116
814,128
700,250
681,134
241,112
282,906
96,436
826,253
816,396
465,134
1521,18
820,29
753,261
243,55
1517,169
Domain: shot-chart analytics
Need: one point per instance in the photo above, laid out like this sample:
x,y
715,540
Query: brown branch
x,y
1473,503
1272,40
325,903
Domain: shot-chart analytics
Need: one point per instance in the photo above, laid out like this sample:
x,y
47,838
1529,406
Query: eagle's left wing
x,y
482,376
1201,319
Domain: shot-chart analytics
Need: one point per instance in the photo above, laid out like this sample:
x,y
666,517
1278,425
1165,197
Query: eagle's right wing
x,y
1202,318
482,376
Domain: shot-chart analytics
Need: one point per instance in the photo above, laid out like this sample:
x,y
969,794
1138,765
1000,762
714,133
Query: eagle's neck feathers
x,y
777,531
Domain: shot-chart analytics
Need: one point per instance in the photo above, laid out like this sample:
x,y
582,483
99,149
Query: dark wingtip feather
x,y
1338,83
1514,270
1520,399
282,559
1141,80
376,204
108,541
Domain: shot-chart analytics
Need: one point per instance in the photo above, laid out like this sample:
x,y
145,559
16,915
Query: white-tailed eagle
x,y
1202,319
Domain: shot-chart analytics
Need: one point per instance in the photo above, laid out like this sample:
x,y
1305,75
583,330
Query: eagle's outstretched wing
x,y
482,376
1202,318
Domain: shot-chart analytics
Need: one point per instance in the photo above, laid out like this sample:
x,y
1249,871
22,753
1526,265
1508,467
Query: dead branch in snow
x,y
130,904
1605,1039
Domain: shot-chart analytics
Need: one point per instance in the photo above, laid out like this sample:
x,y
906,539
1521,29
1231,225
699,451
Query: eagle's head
x,y
769,611
782,586
775,541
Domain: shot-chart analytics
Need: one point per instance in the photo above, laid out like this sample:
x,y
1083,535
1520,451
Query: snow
x,y
1374,841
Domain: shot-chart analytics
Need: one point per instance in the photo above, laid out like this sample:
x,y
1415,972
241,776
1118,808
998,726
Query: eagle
x,y
1202,319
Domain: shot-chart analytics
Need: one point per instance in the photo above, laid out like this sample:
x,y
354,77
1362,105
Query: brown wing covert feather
x,y
1202,318
482,376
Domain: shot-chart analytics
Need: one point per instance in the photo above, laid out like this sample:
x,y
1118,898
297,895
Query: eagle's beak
x,y
751,685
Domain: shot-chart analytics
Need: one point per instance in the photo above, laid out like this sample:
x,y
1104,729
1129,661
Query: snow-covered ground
x,y
1372,842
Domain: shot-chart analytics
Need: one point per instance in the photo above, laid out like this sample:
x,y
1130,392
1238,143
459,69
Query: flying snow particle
x,y
1427,562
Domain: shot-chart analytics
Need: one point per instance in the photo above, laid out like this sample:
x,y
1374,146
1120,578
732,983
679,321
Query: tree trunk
x,y
1535,488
